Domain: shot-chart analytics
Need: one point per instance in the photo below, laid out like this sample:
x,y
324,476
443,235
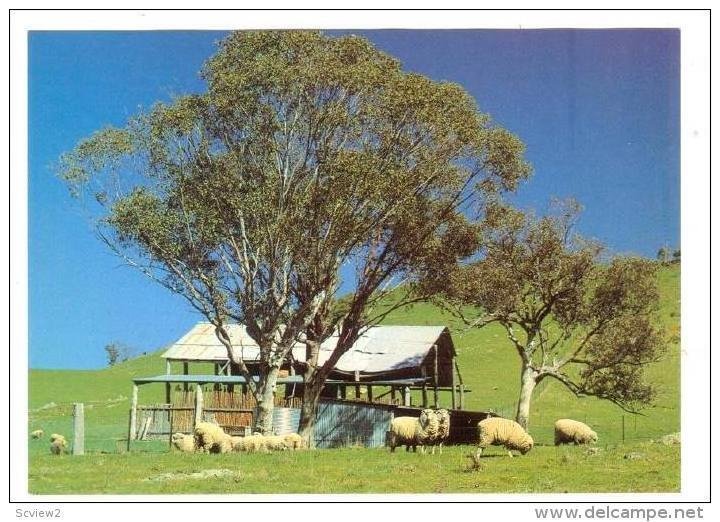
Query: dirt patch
x,y
198,475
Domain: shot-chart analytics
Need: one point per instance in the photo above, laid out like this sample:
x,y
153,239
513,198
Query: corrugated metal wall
x,y
286,420
344,424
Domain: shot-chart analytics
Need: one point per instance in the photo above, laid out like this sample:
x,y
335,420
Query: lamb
x,y
37,434
568,430
210,438
497,431
413,432
58,444
443,433
184,443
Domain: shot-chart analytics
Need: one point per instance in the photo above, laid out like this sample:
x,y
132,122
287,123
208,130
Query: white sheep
x,y
210,438
58,444
250,443
184,443
293,441
443,432
568,430
413,432
37,434
497,431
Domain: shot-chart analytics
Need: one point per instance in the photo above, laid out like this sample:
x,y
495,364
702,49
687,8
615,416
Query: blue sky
x,y
598,111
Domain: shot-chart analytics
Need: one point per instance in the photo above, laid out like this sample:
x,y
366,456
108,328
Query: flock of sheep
x,y
58,443
432,428
210,438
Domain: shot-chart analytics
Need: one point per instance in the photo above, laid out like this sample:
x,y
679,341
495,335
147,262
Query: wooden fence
x,y
338,423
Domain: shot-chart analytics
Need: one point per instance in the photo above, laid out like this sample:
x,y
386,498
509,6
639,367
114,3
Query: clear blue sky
x,y
598,111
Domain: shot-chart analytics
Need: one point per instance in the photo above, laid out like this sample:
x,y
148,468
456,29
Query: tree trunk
x,y
528,381
266,402
308,410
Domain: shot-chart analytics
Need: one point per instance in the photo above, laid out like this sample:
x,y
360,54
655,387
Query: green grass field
x,y
489,367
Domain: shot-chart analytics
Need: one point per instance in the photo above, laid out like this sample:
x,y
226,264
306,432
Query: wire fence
x,y
343,426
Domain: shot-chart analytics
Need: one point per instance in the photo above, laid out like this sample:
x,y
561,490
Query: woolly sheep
x,y
185,443
413,432
210,438
275,442
37,434
293,441
443,433
58,444
497,431
568,430
250,443
264,443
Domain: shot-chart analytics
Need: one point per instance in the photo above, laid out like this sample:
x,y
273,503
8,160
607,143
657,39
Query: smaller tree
x,y
676,256
570,317
117,352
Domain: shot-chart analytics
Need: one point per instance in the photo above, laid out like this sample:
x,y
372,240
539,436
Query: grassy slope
x,y
488,364
358,470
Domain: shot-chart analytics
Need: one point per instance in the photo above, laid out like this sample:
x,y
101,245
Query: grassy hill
x,y
489,366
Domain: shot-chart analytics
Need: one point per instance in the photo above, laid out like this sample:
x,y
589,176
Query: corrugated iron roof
x,y
379,349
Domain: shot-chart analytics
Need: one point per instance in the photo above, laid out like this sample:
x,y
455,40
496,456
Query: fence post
x,y
406,396
452,383
435,376
78,429
133,415
198,404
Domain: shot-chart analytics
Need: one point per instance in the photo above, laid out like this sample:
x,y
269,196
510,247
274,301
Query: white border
x,y
694,204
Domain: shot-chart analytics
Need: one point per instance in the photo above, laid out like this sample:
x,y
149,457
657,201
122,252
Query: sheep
x,y
184,443
58,444
210,438
413,432
568,430
293,441
443,433
37,434
497,431
250,443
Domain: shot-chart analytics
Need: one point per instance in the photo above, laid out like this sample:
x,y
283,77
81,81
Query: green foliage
x,y
570,317
305,153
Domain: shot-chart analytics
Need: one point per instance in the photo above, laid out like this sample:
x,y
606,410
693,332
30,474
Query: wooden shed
x,y
381,353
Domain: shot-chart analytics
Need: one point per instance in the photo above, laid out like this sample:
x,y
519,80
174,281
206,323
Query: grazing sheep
x,y
413,432
210,438
58,444
37,434
497,431
275,442
443,433
568,430
250,443
185,443
293,441
266,443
